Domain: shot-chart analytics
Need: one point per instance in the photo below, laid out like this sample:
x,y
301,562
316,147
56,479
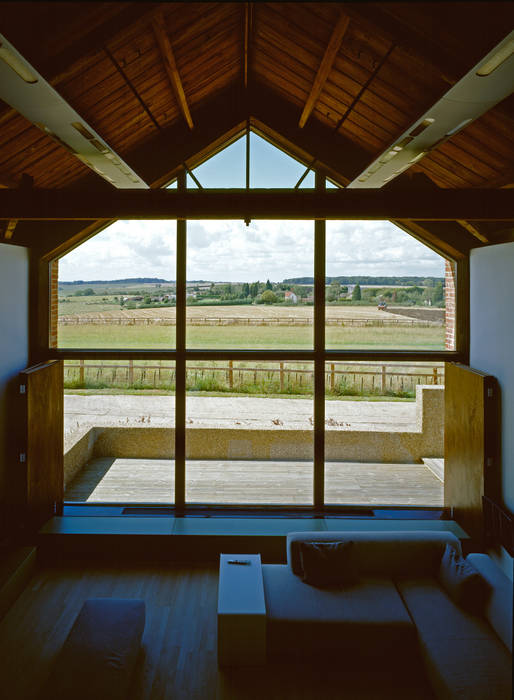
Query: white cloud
x,y
231,251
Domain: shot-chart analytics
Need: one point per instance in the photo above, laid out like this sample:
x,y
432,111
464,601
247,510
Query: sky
x,y
229,251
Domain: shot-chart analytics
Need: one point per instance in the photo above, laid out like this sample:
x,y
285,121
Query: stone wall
x,y
277,443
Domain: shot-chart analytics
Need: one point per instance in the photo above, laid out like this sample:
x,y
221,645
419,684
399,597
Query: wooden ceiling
x,y
169,83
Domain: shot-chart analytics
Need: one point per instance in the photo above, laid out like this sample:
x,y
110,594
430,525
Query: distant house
x,y
291,296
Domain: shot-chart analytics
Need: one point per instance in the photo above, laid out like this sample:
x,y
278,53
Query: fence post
x,y
131,372
332,377
231,374
281,376
384,377
435,375
81,372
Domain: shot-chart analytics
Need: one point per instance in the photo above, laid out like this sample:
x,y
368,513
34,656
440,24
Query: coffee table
x,y
241,611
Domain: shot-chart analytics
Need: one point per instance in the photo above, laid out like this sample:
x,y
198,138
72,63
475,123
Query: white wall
x,y
14,309
492,339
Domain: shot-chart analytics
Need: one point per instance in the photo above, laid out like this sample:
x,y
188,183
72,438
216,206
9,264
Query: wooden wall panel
x,y
44,399
471,440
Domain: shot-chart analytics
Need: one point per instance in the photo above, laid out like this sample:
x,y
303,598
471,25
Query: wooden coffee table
x,y
241,611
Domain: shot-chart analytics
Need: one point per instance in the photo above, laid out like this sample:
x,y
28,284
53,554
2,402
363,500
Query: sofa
x,y
395,609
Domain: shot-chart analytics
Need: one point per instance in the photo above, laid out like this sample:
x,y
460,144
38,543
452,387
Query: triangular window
x,y
270,167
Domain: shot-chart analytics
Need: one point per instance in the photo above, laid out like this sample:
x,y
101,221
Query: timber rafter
x,y
325,66
170,64
373,204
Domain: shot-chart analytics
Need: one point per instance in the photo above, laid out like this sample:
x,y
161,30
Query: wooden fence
x,y
245,321
352,376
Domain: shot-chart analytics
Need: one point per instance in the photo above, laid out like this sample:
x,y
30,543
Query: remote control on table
x,y
241,562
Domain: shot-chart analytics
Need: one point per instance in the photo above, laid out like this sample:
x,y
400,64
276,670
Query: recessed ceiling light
x,y
418,157
83,131
388,156
17,65
422,126
459,127
495,61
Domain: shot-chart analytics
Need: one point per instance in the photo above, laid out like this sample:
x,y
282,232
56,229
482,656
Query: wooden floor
x,y
178,661
259,482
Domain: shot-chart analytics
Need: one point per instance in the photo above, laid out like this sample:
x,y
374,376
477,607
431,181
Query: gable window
x,y
254,360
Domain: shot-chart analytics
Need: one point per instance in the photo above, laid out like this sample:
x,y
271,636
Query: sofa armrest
x,y
498,608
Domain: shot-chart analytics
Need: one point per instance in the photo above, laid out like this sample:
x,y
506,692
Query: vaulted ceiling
x,y
335,84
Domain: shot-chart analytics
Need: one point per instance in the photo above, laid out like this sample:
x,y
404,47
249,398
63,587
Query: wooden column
x,y
319,347
39,307
180,370
462,312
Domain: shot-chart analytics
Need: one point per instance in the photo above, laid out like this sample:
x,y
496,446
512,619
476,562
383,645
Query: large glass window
x,y
119,430
249,433
384,433
117,290
238,291
226,408
384,289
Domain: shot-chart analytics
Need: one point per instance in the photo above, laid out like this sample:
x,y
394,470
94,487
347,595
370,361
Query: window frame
x,y
318,355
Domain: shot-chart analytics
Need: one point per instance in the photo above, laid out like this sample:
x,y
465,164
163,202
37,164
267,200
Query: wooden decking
x,y
117,480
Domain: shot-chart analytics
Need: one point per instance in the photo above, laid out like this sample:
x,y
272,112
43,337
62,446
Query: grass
x,y
248,378
157,337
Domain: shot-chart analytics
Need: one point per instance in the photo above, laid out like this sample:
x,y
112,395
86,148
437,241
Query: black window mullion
x,y
180,368
319,354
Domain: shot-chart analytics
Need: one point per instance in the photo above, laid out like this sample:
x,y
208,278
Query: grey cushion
x,y
498,608
462,582
98,657
389,554
363,621
327,563
463,656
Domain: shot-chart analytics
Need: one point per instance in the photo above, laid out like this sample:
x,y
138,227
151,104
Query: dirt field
x,y
229,312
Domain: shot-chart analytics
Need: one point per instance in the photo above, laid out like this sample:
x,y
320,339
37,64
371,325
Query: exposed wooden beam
x,y
168,57
325,67
371,204
473,230
454,244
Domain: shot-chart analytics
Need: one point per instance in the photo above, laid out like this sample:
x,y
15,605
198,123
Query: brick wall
x,y
54,302
449,294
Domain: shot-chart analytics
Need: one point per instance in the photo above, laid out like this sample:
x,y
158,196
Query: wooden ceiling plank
x,y
168,58
131,87
246,43
325,67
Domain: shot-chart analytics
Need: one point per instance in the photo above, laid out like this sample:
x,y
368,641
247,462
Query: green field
x,y
155,337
